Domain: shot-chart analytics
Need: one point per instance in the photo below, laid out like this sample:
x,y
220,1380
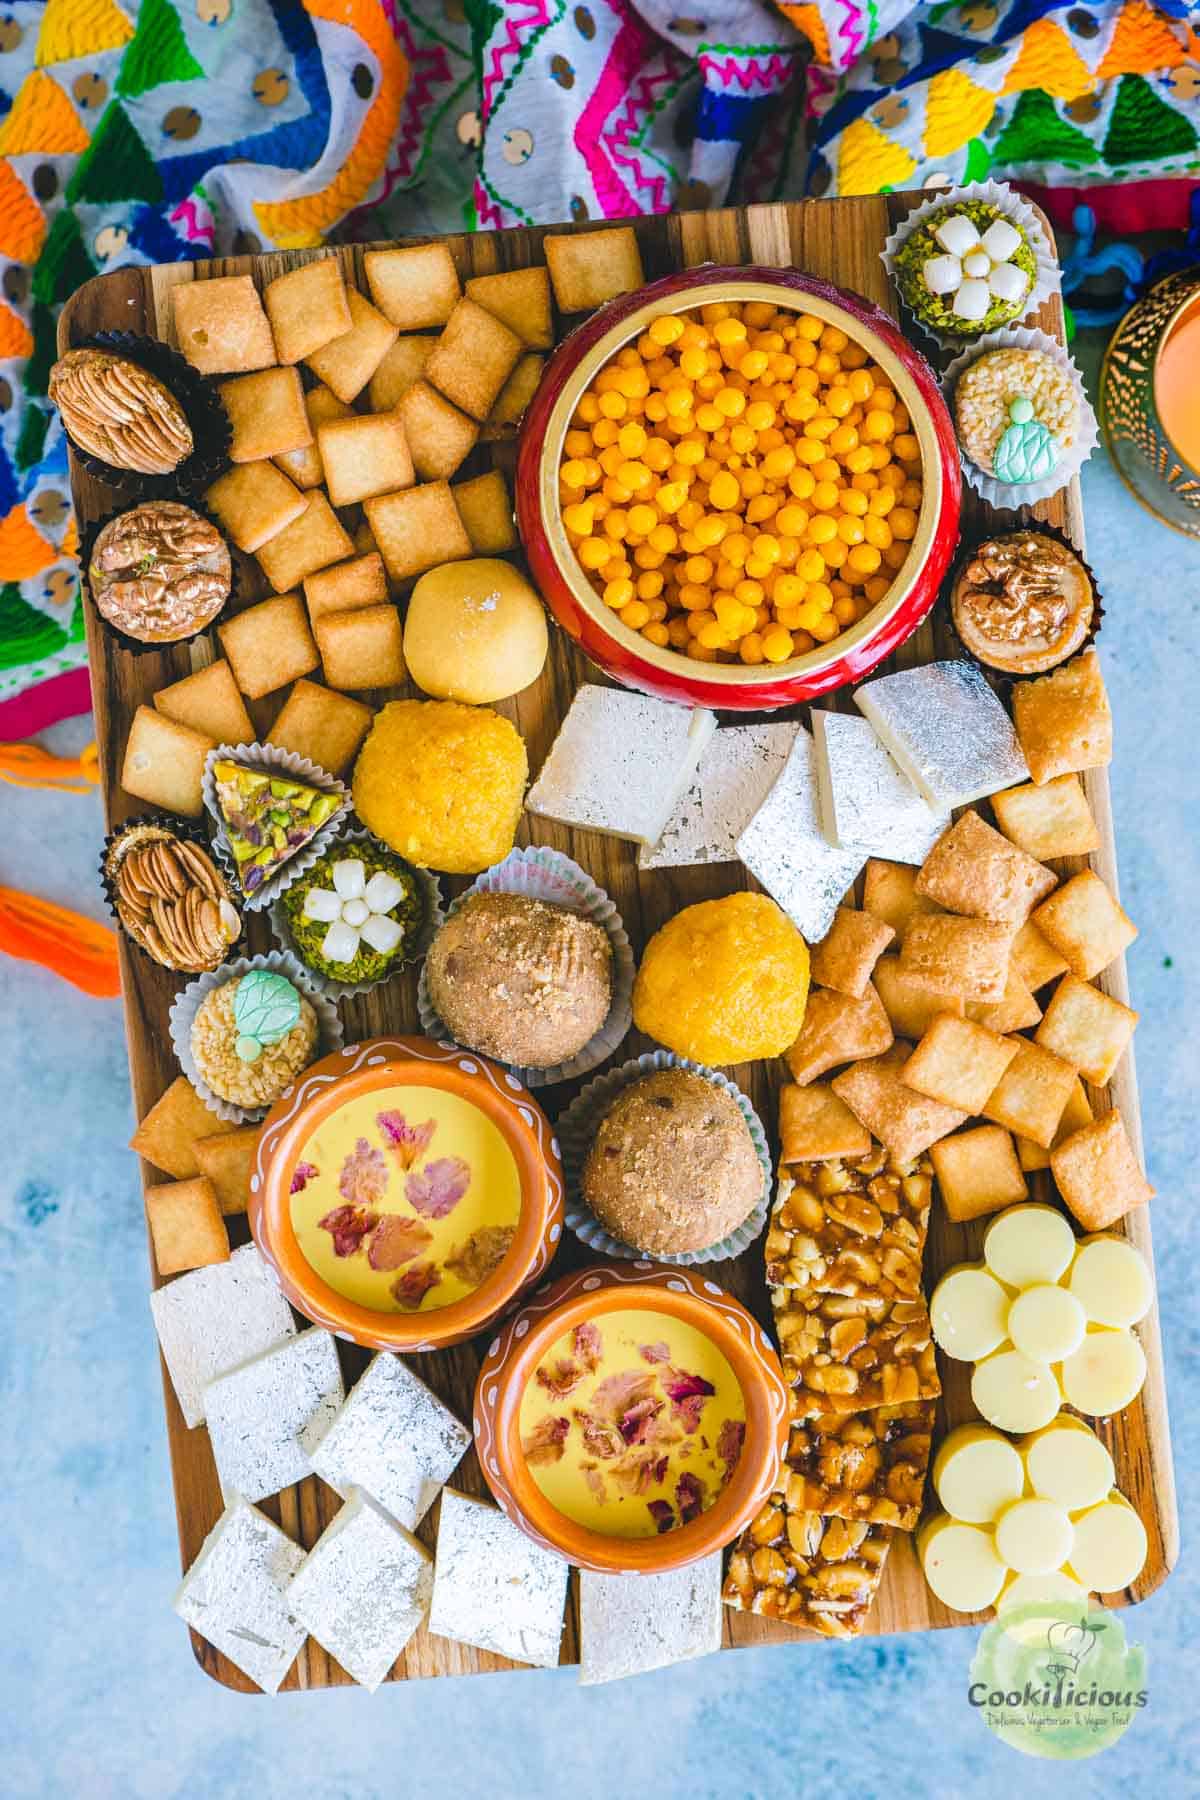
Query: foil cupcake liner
x,y
435,916
548,875
1011,496
187,1004
285,763
1047,278
187,830
138,646
577,1126
212,431
1004,680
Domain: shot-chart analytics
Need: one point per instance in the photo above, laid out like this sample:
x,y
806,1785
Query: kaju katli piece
x,y
630,1624
236,1594
216,1318
866,802
264,1417
785,848
393,1438
364,1589
736,772
946,729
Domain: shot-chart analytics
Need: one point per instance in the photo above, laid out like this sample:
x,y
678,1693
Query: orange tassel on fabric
x,y
81,951
29,766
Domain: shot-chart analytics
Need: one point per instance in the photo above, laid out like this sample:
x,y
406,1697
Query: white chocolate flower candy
x,y
1044,1319
1037,1521
356,911
975,272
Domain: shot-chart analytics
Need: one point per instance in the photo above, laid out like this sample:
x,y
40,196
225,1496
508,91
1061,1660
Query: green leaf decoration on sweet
x,y
1142,128
1028,450
116,165
265,1008
158,53
1037,132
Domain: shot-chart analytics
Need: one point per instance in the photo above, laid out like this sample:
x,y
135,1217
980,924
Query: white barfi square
x,y
266,1416
784,846
395,1439
630,1624
493,1586
734,776
215,1318
947,730
364,1589
236,1594
867,803
620,763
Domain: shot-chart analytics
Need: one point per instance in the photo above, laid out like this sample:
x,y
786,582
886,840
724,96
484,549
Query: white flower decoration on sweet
x,y
356,911
976,269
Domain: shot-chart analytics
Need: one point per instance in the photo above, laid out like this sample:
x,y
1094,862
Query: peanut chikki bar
x,y
853,1227
868,1465
845,1353
819,1573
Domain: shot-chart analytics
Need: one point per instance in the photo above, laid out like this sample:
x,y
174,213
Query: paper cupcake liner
x,y
549,875
284,763
137,646
1047,278
212,432
426,881
193,833
1010,496
577,1127
281,962
1004,680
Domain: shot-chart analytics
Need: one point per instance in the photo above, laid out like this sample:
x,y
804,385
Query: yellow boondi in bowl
x,y
724,982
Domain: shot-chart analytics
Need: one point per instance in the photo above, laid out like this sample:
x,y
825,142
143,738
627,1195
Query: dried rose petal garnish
x,y
405,1141
617,1394
544,1444
364,1177
411,1288
348,1225
636,1423
482,1253
600,1438
638,1473
689,1497
655,1353
302,1174
687,1394
437,1189
397,1240
560,1378
588,1345
660,1511
730,1439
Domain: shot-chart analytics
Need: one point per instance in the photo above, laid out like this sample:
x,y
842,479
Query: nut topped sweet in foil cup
x,y
159,572
169,896
1023,601
120,412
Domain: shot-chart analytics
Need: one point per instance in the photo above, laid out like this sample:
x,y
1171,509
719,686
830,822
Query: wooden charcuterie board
x,y
839,240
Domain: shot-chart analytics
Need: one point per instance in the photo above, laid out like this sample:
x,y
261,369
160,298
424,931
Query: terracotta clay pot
x,y
588,1294
626,655
389,1063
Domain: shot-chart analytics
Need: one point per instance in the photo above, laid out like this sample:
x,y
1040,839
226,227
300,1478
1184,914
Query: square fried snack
x,y
311,542
1063,720
852,1226
821,1574
347,363
164,763
1034,958
968,957
208,702
1030,1096
593,267
1017,1011
326,727
403,364
910,1003
508,408
269,645
167,1135
186,1226
868,1465
307,307
838,1030
1085,924
254,502
1075,1114
972,869
1098,1174
846,955
362,581
1087,1028
958,1062
417,528
365,454
267,412
814,1124
1052,820
305,467
890,893
415,286
221,325
978,1172
363,648
441,436
907,1122
521,298
485,508
844,1352
227,1158
473,359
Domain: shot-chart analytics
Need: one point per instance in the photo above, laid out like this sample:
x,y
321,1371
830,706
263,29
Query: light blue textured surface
x,y
101,1696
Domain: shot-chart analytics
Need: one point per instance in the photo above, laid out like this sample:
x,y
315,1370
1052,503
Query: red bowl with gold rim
x,y
624,653
638,1415
406,1192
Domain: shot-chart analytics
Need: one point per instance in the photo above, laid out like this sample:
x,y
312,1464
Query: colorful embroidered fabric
x,y
167,129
